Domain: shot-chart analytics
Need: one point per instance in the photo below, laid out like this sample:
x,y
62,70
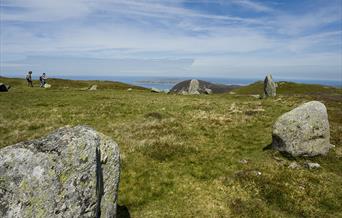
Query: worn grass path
x,y
181,154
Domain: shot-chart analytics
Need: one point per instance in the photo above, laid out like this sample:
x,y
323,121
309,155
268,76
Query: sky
x,y
299,39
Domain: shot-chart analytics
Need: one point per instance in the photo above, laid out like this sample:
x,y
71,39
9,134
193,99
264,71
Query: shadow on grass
x,y
122,212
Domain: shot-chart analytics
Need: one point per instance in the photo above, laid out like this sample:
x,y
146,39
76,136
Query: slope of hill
x,y
216,88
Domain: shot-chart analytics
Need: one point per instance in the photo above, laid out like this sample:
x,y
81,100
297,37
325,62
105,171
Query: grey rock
x,y
294,165
208,91
167,91
243,161
194,87
93,88
304,131
270,87
73,172
4,88
312,166
156,90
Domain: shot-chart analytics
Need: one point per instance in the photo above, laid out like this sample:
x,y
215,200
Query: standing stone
x,y
269,86
304,131
73,172
193,87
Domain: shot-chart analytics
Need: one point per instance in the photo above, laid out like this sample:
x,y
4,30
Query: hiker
x,y
42,80
29,79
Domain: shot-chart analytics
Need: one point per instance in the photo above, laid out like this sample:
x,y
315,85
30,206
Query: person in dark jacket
x,y
42,80
29,79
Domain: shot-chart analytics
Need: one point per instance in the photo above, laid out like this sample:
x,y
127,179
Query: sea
x,y
169,82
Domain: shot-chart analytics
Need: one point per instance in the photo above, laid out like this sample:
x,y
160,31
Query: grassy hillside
x,y
181,155
290,88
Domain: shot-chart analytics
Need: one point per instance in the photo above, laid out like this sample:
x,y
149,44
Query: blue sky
x,y
205,38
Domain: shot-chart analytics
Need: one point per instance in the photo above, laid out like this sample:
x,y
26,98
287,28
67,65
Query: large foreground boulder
x,y
304,131
270,87
194,86
73,172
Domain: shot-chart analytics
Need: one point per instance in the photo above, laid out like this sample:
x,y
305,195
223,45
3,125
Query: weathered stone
x,y
93,88
304,131
156,90
243,161
208,91
4,88
294,165
269,86
47,86
129,89
194,87
73,172
312,166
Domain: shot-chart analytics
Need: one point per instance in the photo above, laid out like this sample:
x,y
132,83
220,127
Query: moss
x,y
64,176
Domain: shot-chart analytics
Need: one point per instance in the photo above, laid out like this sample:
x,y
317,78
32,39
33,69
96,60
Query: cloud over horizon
x,y
237,38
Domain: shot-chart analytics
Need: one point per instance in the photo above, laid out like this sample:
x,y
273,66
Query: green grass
x,y
180,154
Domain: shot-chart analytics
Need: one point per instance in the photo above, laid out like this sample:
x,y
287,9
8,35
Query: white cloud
x,y
253,5
157,29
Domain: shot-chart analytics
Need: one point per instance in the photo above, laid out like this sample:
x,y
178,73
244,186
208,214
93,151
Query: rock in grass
x,y
312,166
4,88
294,165
270,87
93,88
156,90
208,91
304,131
47,86
73,172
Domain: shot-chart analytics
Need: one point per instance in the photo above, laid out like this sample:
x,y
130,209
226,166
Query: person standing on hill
x,y
29,79
42,80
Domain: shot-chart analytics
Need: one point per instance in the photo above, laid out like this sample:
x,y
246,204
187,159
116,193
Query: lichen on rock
x,y
304,131
61,175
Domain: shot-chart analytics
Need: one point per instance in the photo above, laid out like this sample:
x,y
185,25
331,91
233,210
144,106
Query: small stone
x,y
93,88
208,91
156,90
311,165
243,161
256,96
47,86
294,165
129,89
